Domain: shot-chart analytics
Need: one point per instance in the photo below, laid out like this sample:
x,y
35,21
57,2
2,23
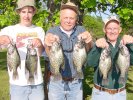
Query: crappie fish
x,y
123,62
79,57
105,65
13,59
56,58
31,63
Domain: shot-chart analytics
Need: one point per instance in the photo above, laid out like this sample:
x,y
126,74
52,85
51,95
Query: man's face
x,y
26,14
112,31
68,19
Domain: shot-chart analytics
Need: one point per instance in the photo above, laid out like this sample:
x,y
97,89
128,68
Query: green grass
x,y
4,81
87,83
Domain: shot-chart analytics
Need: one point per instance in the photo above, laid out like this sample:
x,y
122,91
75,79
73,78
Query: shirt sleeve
x,y
42,35
51,30
130,47
93,56
6,31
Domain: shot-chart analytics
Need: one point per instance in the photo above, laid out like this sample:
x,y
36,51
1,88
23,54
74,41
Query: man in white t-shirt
x,y
20,88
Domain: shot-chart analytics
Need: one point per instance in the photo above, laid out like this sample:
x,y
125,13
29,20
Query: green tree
x,y
94,25
7,14
48,11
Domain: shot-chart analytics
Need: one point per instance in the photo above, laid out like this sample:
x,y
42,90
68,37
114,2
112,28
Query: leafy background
x,y
48,15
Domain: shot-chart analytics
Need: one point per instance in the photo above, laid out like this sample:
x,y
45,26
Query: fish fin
x,y
63,65
9,65
105,82
117,68
122,80
100,73
26,70
57,77
31,78
15,75
10,68
127,69
80,74
19,65
35,70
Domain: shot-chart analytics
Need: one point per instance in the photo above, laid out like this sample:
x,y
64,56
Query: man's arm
x,y
89,45
93,56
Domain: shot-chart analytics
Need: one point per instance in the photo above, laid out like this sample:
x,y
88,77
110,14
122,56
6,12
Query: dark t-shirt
x,y
114,74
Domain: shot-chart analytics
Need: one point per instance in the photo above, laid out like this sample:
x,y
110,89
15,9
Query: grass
x,y
87,83
4,81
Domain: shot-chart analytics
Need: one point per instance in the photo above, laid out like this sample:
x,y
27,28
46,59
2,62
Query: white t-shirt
x,y
20,34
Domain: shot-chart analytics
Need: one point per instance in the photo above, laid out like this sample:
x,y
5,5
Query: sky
x,y
104,15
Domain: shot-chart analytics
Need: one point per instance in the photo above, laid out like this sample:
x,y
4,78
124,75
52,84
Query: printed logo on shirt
x,y
22,38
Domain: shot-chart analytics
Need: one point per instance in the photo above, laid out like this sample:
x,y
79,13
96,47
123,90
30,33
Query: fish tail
x,y
122,80
57,77
80,74
15,75
19,66
105,82
31,78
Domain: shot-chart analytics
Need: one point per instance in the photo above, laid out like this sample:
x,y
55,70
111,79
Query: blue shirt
x,y
67,46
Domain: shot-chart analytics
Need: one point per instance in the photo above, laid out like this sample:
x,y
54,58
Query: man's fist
x,y
50,38
86,36
5,40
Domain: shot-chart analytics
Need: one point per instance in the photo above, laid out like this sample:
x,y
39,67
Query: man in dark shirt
x,y
114,90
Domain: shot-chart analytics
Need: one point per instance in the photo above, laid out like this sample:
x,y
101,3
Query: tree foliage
x,y
48,11
94,25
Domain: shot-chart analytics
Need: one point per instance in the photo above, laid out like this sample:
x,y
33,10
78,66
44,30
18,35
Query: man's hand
x,y
127,39
37,42
50,38
101,43
86,36
5,40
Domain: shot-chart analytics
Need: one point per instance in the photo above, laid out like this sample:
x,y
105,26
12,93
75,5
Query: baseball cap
x,y
70,5
23,3
111,18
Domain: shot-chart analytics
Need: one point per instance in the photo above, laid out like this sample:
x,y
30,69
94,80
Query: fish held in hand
x,y
123,62
31,63
105,65
13,59
79,57
56,58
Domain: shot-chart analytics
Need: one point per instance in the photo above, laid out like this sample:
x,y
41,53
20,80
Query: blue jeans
x,y
31,92
101,95
60,90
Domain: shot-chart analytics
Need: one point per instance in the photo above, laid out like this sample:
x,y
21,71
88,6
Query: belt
x,y
67,79
110,91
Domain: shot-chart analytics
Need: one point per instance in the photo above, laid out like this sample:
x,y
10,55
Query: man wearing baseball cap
x,y
69,86
112,88
27,82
